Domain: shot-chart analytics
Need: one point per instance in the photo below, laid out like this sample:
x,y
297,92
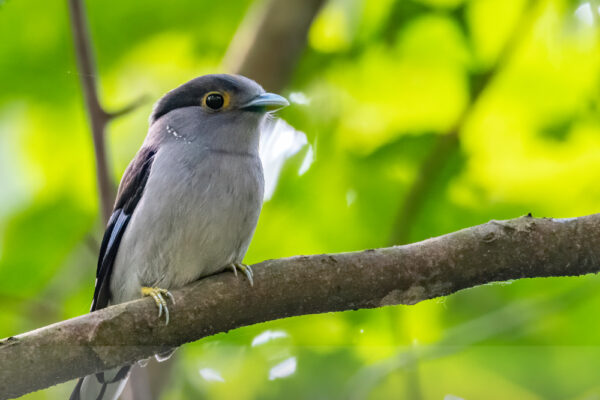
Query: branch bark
x,y
525,247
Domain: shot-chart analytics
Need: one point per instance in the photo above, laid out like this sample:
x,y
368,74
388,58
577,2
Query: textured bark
x,y
525,247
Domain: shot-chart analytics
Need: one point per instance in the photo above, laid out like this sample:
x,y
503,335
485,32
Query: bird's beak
x,y
266,102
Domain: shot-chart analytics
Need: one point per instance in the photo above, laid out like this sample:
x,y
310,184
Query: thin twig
x,y
99,117
129,108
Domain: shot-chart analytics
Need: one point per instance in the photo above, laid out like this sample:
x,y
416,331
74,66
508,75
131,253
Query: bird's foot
x,y
160,297
245,269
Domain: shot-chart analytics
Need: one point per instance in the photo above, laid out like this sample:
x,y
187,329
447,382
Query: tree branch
x,y
525,247
270,41
99,117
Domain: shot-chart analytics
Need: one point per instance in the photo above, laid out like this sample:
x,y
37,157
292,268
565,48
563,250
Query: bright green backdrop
x,y
385,79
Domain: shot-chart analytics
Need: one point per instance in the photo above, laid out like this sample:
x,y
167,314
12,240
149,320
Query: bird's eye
x,y
214,101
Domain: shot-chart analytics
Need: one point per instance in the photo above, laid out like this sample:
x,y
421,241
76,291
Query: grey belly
x,y
190,222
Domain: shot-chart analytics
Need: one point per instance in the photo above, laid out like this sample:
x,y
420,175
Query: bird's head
x,y
221,110
219,94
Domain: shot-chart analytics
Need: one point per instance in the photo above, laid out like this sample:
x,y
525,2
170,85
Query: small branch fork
x,y
99,117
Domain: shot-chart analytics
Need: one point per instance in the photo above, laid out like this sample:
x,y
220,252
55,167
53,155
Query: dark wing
x,y
130,192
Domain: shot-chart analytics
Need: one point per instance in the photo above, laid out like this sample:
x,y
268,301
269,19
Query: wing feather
x,y
130,192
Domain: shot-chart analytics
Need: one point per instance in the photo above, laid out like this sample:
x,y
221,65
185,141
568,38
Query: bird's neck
x,y
243,141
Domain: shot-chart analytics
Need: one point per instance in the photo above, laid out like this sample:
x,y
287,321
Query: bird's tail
x,y
106,385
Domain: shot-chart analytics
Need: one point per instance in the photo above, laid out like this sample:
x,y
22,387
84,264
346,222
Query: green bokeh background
x,y
385,80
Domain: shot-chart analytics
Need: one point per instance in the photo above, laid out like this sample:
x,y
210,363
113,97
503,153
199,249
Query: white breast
x,y
197,215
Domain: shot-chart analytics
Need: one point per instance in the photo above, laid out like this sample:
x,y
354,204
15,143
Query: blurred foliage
x,y
385,79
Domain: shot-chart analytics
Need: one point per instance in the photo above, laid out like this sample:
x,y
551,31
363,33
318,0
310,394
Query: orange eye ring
x,y
215,101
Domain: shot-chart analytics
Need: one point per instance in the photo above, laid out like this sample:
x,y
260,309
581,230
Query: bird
x,y
188,203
